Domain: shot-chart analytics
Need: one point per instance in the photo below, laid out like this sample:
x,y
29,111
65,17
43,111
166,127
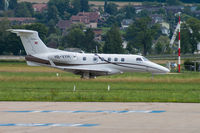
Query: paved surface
x,y
2,57
67,117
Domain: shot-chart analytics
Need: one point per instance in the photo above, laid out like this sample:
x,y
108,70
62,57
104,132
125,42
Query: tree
x,y
105,5
111,8
140,35
74,38
113,41
53,13
4,24
13,44
12,4
84,6
162,45
77,25
110,21
143,13
129,11
63,6
40,28
89,43
24,9
53,40
77,37
76,6
2,3
51,27
173,2
186,47
191,29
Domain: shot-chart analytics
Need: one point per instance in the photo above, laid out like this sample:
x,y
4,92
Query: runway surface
x,y
93,117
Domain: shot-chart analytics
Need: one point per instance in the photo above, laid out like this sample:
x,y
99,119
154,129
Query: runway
x,y
98,117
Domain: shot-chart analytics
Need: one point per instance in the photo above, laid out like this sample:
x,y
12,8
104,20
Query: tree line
x,y
163,1
142,35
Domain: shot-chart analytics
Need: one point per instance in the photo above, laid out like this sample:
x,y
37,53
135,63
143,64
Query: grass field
x,y
19,82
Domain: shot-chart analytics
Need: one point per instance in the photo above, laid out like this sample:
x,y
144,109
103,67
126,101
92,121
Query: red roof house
x,y
39,7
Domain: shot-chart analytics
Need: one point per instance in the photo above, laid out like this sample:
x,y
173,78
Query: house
x,y
197,13
98,33
174,9
64,24
156,18
139,8
39,7
126,22
19,20
90,19
124,44
165,28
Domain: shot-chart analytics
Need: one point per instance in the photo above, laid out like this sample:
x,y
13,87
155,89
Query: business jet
x,y
88,65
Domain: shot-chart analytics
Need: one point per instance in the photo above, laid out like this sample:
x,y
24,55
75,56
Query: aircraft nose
x,y
164,69
155,68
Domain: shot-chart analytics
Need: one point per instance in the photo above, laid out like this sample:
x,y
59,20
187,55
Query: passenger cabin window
x,y
95,59
116,59
138,59
84,58
109,59
122,59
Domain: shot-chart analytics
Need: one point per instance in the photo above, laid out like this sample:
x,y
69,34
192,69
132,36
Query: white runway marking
x,y
87,111
48,124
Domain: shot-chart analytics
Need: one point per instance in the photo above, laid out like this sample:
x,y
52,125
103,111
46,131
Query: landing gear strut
x,y
87,75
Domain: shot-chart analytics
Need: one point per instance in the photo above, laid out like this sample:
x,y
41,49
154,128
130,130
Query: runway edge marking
x,y
48,124
87,111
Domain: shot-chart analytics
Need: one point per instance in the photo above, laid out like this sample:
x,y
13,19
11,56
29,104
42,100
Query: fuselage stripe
x,y
46,62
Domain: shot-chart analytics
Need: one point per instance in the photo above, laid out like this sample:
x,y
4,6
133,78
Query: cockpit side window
x,y
145,59
138,59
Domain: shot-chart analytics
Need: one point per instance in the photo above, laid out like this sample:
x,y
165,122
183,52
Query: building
x,y
39,7
165,28
98,33
174,9
90,19
64,24
126,22
156,18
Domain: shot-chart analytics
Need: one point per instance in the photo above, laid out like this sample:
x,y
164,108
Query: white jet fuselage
x,y
84,64
92,65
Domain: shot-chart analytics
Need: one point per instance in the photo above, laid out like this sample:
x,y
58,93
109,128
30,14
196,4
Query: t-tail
x,y
31,41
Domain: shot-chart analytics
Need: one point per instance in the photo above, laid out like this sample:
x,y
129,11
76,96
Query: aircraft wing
x,y
93,71
83,69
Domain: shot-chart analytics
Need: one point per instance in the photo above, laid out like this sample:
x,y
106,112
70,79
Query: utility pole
x,y
179,44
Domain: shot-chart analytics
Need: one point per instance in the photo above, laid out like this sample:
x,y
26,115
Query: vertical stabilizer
x,y
31,41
